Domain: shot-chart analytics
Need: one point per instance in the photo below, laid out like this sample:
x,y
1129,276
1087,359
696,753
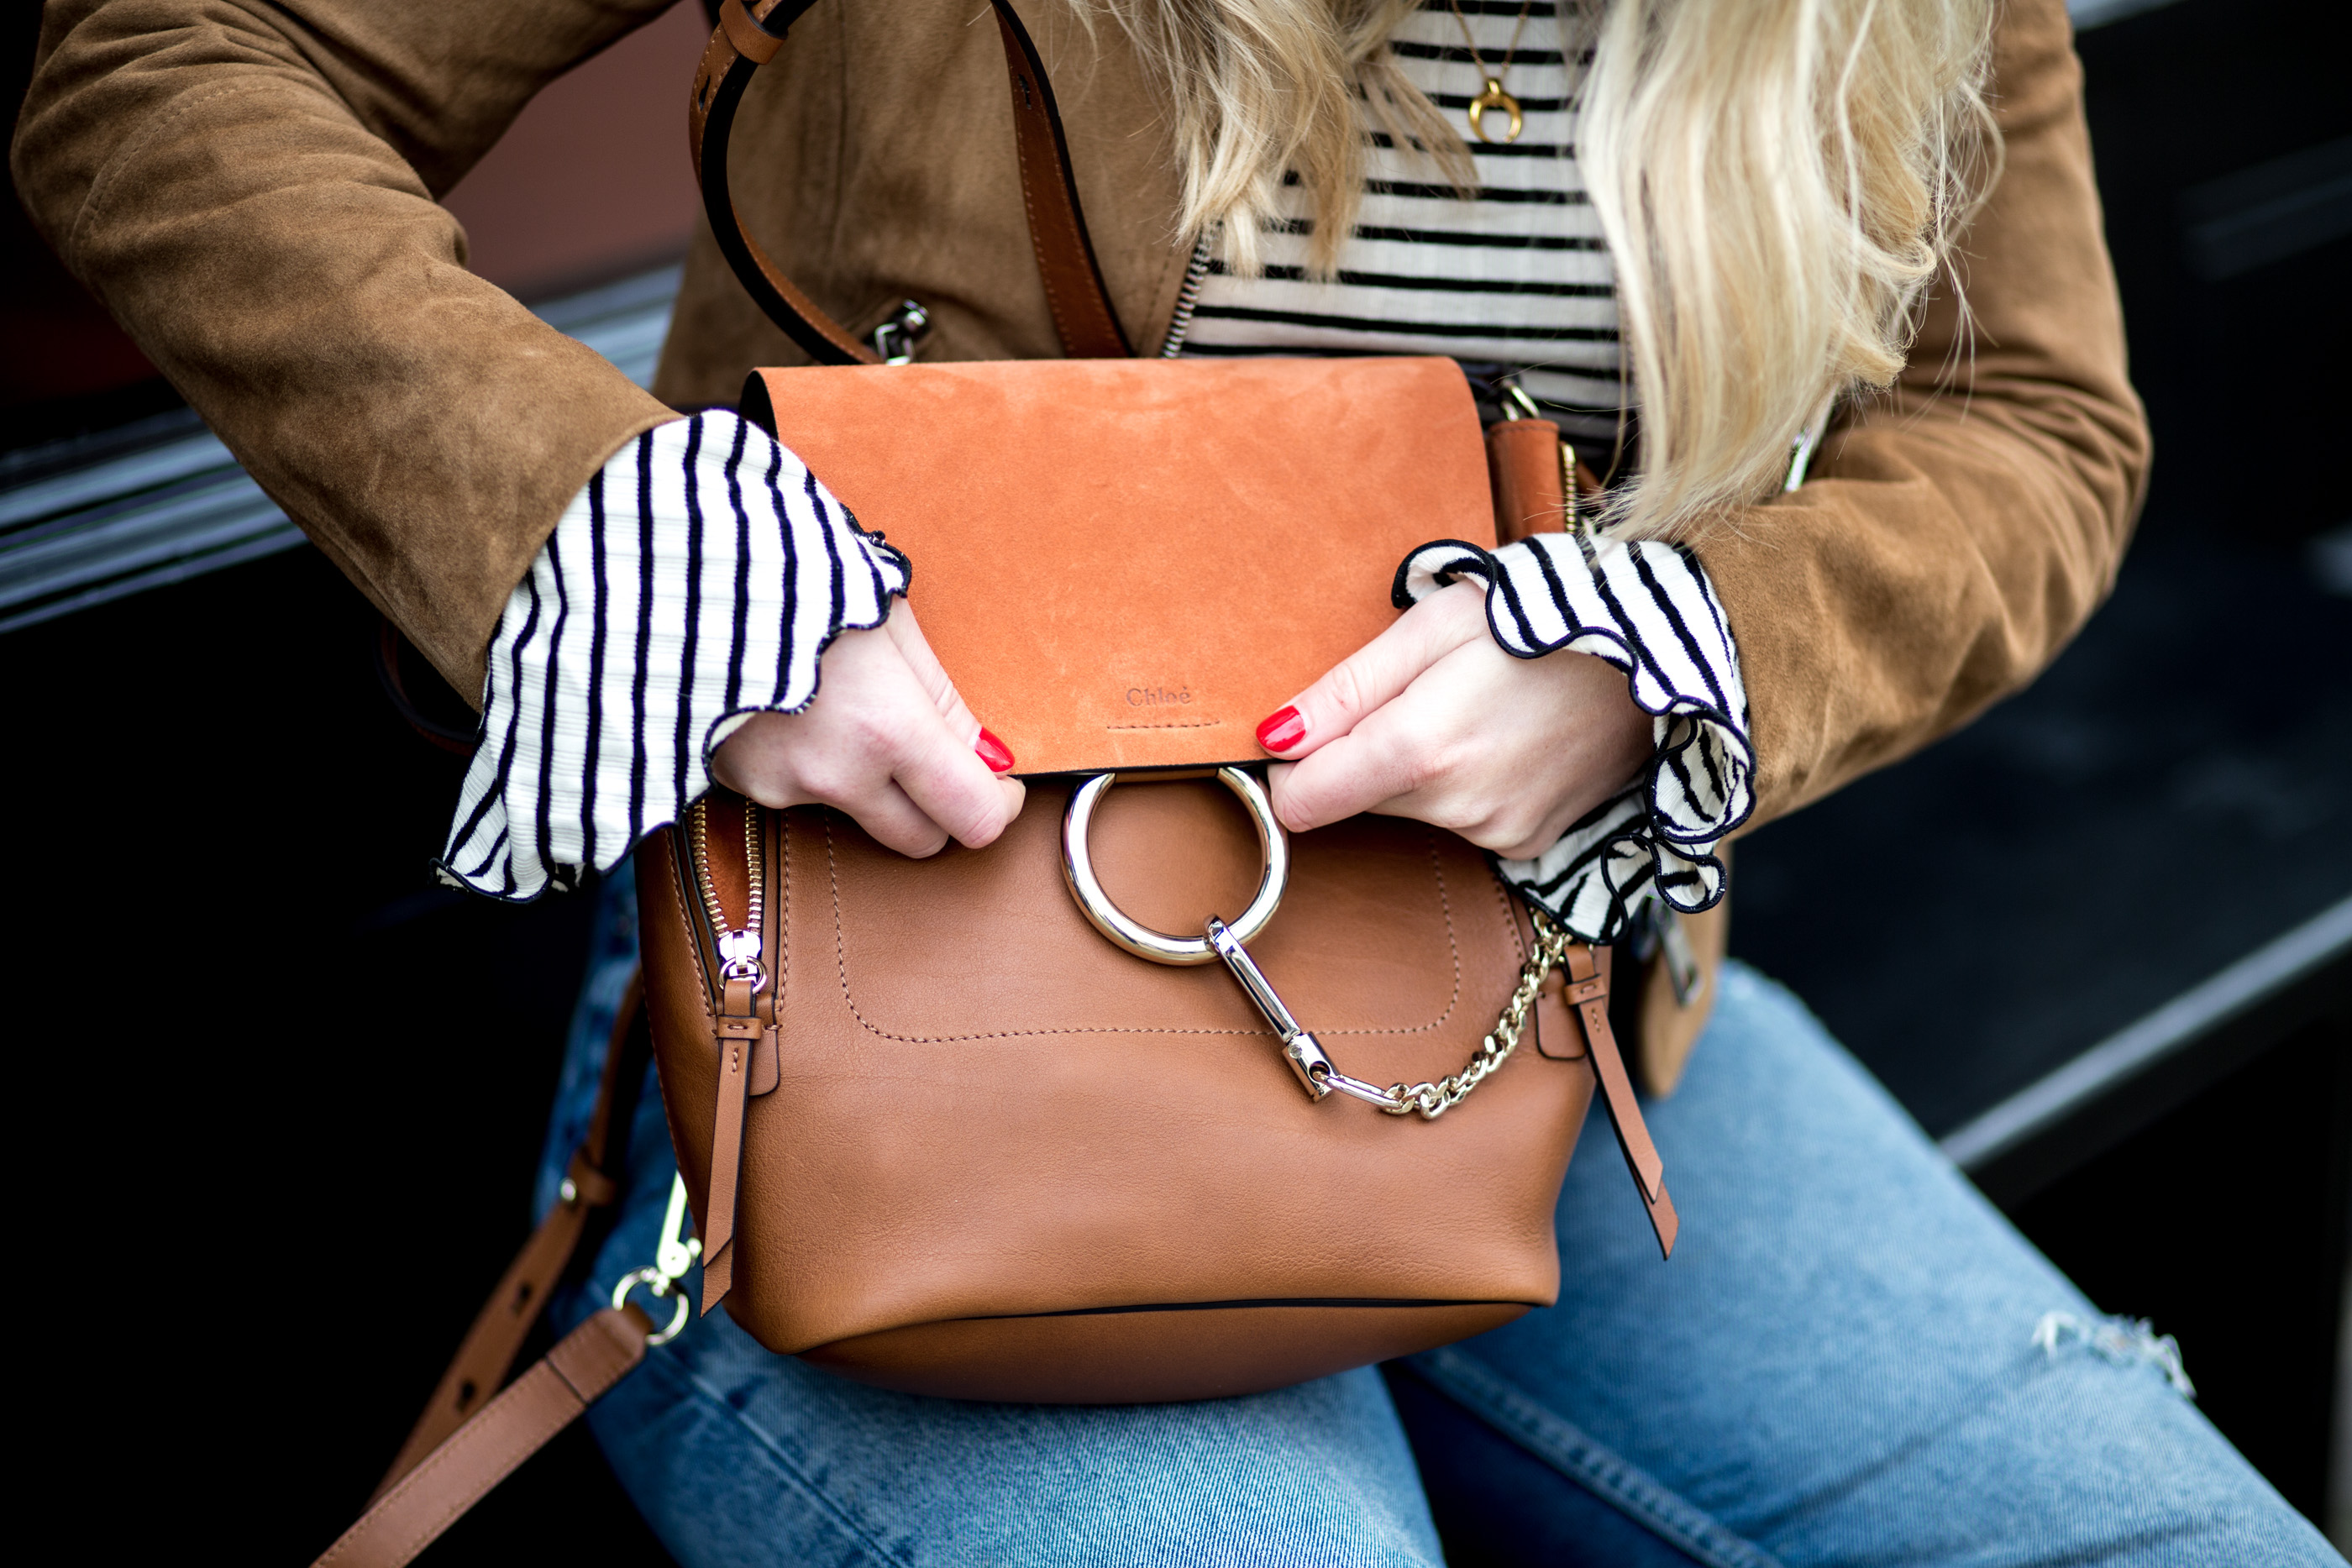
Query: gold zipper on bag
x,y
738,947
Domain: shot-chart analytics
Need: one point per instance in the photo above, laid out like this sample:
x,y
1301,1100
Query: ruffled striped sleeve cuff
x,y
1647,608
697,581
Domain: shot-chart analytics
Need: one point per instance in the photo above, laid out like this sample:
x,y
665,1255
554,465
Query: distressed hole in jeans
x,y
2122,1341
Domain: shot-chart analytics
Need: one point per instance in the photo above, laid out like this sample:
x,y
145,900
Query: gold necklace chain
x,y
1492,97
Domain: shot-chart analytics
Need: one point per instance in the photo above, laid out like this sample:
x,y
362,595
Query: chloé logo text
x,y
1157,696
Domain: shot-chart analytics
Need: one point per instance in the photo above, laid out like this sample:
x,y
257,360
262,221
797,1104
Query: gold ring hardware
x,y
1131,935
1301,1051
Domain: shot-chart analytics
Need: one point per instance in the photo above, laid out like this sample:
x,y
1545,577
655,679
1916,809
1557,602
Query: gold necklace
x,y
1492,96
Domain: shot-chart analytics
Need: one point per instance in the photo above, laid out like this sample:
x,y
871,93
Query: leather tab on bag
x,y
1557,1036
1589,981
740,1034
1523,468
1526,466
767,1069
590,1186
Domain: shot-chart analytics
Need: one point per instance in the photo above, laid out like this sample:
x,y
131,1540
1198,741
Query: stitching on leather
x,y
447,1454
1204,724
1445,908
1029,205
841,968
781,859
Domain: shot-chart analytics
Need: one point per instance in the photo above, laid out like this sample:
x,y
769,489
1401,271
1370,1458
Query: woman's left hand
x,y
1432,720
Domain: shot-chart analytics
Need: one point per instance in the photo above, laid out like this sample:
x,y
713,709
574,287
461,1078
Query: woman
x,y
1720,214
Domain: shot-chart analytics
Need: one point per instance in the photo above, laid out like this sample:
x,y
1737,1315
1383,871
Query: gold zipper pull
x,y
739,956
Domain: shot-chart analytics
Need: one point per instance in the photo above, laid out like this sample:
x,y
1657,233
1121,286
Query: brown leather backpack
x,y
997,1124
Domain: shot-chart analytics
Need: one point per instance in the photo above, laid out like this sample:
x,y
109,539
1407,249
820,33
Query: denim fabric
x,y
1838,1367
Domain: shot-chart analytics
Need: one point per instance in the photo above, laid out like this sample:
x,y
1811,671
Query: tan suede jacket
x,y
249,185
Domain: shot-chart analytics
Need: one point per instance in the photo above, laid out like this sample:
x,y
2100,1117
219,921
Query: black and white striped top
x,y
695,582
700,577
1518,279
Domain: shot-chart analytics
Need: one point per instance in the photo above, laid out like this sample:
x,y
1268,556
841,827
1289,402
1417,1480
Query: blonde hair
x,y
1778,182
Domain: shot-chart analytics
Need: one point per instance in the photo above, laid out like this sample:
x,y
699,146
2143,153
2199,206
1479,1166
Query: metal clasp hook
x,y
673,1256
1305,1053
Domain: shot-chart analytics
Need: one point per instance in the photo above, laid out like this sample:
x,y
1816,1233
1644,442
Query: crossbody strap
x,y
489,1349
464,1469
749,37
471,1435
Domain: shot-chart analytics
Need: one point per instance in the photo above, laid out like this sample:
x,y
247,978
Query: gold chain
x,y
1433,1100
1477,56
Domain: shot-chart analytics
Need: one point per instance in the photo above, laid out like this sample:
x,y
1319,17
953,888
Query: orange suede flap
x,y
1129,563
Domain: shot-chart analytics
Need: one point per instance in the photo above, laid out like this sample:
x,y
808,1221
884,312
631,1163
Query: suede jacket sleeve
x,y
1956,533
249,186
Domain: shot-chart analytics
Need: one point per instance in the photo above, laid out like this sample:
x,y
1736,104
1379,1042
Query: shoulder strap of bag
x,y
748,36
461,1471
467,1442
487,1351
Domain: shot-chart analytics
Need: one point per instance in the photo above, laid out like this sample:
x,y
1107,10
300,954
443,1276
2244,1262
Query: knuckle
x,y
1344,689
1427,766
874,731
828,778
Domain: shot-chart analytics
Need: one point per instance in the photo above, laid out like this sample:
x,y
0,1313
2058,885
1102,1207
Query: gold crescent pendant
x,y
1491,98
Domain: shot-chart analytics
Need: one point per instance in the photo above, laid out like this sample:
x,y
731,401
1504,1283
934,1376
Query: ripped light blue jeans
x,y
1851,1358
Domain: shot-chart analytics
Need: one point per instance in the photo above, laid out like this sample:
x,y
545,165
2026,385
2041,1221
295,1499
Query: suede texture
x,y
250,188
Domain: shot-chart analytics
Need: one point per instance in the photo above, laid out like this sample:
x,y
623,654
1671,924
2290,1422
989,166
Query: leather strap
x,y
487,1351
457,1451
1075,293
1587,994
740,1032
460,1471
748,36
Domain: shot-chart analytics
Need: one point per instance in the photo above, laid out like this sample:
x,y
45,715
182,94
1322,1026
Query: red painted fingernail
x,y
1282,730
994,752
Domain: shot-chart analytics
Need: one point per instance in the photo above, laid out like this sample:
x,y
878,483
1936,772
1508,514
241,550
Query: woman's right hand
x,y
886,740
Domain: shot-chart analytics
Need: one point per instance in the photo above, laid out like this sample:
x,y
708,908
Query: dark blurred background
x,y
2100,943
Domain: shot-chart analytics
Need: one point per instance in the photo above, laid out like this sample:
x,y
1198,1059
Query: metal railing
x,y
98,518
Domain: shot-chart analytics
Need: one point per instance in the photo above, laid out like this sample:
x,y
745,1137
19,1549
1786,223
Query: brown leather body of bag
x,y
940,1134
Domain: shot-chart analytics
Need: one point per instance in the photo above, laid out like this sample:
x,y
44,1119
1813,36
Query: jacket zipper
x,y
1196,271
